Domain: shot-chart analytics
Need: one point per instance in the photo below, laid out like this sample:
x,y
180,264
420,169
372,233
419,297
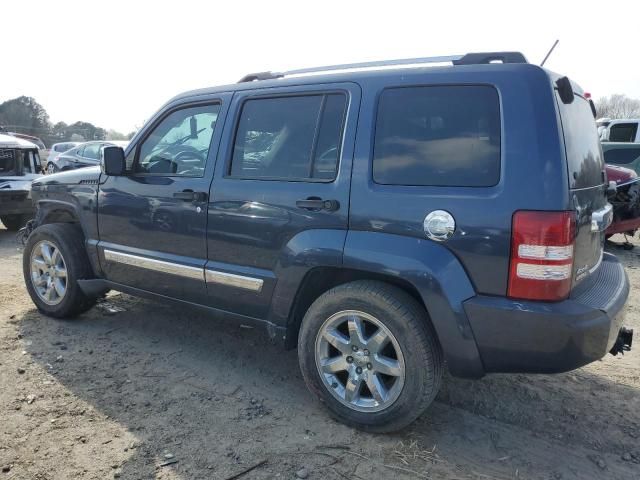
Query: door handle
x,y
314,203
191,195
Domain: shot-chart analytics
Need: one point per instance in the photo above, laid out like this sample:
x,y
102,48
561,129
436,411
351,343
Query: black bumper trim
x,y
545,337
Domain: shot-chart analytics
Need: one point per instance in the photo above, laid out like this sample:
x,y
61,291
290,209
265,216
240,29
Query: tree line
x,y
26,115
618,106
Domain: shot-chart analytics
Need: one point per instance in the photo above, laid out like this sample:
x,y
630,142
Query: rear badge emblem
x,y
439,225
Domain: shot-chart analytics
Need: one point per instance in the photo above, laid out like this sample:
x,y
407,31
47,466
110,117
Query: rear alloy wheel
x,y
368,351
360,361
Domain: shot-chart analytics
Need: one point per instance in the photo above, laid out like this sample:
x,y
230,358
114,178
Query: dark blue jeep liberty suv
x,y
385,218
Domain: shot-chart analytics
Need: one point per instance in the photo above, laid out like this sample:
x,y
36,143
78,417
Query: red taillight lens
x,y
541,255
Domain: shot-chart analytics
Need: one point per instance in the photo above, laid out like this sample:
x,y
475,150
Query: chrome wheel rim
x,y
360,361
48,272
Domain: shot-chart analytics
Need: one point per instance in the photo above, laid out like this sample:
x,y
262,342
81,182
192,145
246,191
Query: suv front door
x,y
152,221
281,191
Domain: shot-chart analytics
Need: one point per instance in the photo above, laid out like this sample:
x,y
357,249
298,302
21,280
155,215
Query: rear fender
x,y
438,277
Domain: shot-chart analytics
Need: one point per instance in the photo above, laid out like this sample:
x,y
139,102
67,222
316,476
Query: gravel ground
x,y
136,389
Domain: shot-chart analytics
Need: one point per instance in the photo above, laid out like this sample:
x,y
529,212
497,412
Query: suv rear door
x,y
281,187
586,174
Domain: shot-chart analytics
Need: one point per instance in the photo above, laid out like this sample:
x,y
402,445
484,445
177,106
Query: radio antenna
x,y
549,53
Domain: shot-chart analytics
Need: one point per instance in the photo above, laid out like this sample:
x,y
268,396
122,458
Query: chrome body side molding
x,y
197,273
155,265
233,280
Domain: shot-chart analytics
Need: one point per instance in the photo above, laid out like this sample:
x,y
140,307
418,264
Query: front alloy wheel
x,y
360,361
48,272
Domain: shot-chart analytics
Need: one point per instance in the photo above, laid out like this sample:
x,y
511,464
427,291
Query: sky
x,y
114,63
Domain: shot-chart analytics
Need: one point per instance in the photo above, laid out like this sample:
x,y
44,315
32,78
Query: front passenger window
x,y
179,144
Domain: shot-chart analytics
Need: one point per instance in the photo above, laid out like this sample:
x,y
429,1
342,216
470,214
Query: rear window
x,y
623,132
582,143
438,136
63,147
621,156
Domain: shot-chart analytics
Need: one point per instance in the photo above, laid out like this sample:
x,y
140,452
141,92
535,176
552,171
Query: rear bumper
x,y
542,337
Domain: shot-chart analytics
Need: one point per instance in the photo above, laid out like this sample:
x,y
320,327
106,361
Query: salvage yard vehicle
x,y
625,201
621,130
19,166
388,219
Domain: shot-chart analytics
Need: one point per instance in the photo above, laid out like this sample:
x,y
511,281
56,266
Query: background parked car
x,y
83,155
621,130
622,153
57,149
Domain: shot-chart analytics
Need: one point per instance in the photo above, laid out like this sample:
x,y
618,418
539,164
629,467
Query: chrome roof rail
x,y
468,59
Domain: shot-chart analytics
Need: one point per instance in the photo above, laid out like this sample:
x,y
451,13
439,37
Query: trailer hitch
x,y
623,342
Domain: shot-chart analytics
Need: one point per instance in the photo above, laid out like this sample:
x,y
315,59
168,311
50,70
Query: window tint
x,y
80,150
438,136
91,151
289,137
621,156
179,145
623,132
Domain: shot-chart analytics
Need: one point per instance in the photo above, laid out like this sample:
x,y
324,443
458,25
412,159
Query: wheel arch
x,y
426,270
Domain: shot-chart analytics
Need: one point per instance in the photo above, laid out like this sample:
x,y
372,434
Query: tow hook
x,y
623,342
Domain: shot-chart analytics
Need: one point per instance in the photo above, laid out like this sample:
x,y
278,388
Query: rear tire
x,y
15,222
54,294
384,311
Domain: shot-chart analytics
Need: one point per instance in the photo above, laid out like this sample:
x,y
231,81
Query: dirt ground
x,y
153,391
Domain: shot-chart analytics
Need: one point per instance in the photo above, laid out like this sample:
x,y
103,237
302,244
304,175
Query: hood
x,y
620,174
9,141
71,177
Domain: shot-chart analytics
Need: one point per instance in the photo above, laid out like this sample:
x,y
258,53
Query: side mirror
x,y
113,163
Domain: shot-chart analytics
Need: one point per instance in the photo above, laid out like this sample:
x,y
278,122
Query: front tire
x,y
54,258
14,222
368,351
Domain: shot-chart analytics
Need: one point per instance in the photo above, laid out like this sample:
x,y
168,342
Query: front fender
x,y
438,277
76,203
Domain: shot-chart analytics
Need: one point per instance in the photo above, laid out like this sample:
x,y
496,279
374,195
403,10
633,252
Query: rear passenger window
x,y
289,138
438,136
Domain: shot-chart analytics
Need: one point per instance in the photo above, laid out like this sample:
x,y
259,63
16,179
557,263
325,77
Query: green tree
x,y
25,115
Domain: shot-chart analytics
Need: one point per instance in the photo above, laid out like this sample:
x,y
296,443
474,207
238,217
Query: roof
x,y
9,141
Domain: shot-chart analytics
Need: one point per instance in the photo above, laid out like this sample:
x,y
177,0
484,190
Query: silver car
x,y
57,149
83,155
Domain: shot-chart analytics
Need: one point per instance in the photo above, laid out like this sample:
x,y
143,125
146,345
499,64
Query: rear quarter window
x,y
438,136
582,143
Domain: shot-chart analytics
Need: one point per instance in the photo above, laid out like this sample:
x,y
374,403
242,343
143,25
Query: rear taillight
x,y
541,255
